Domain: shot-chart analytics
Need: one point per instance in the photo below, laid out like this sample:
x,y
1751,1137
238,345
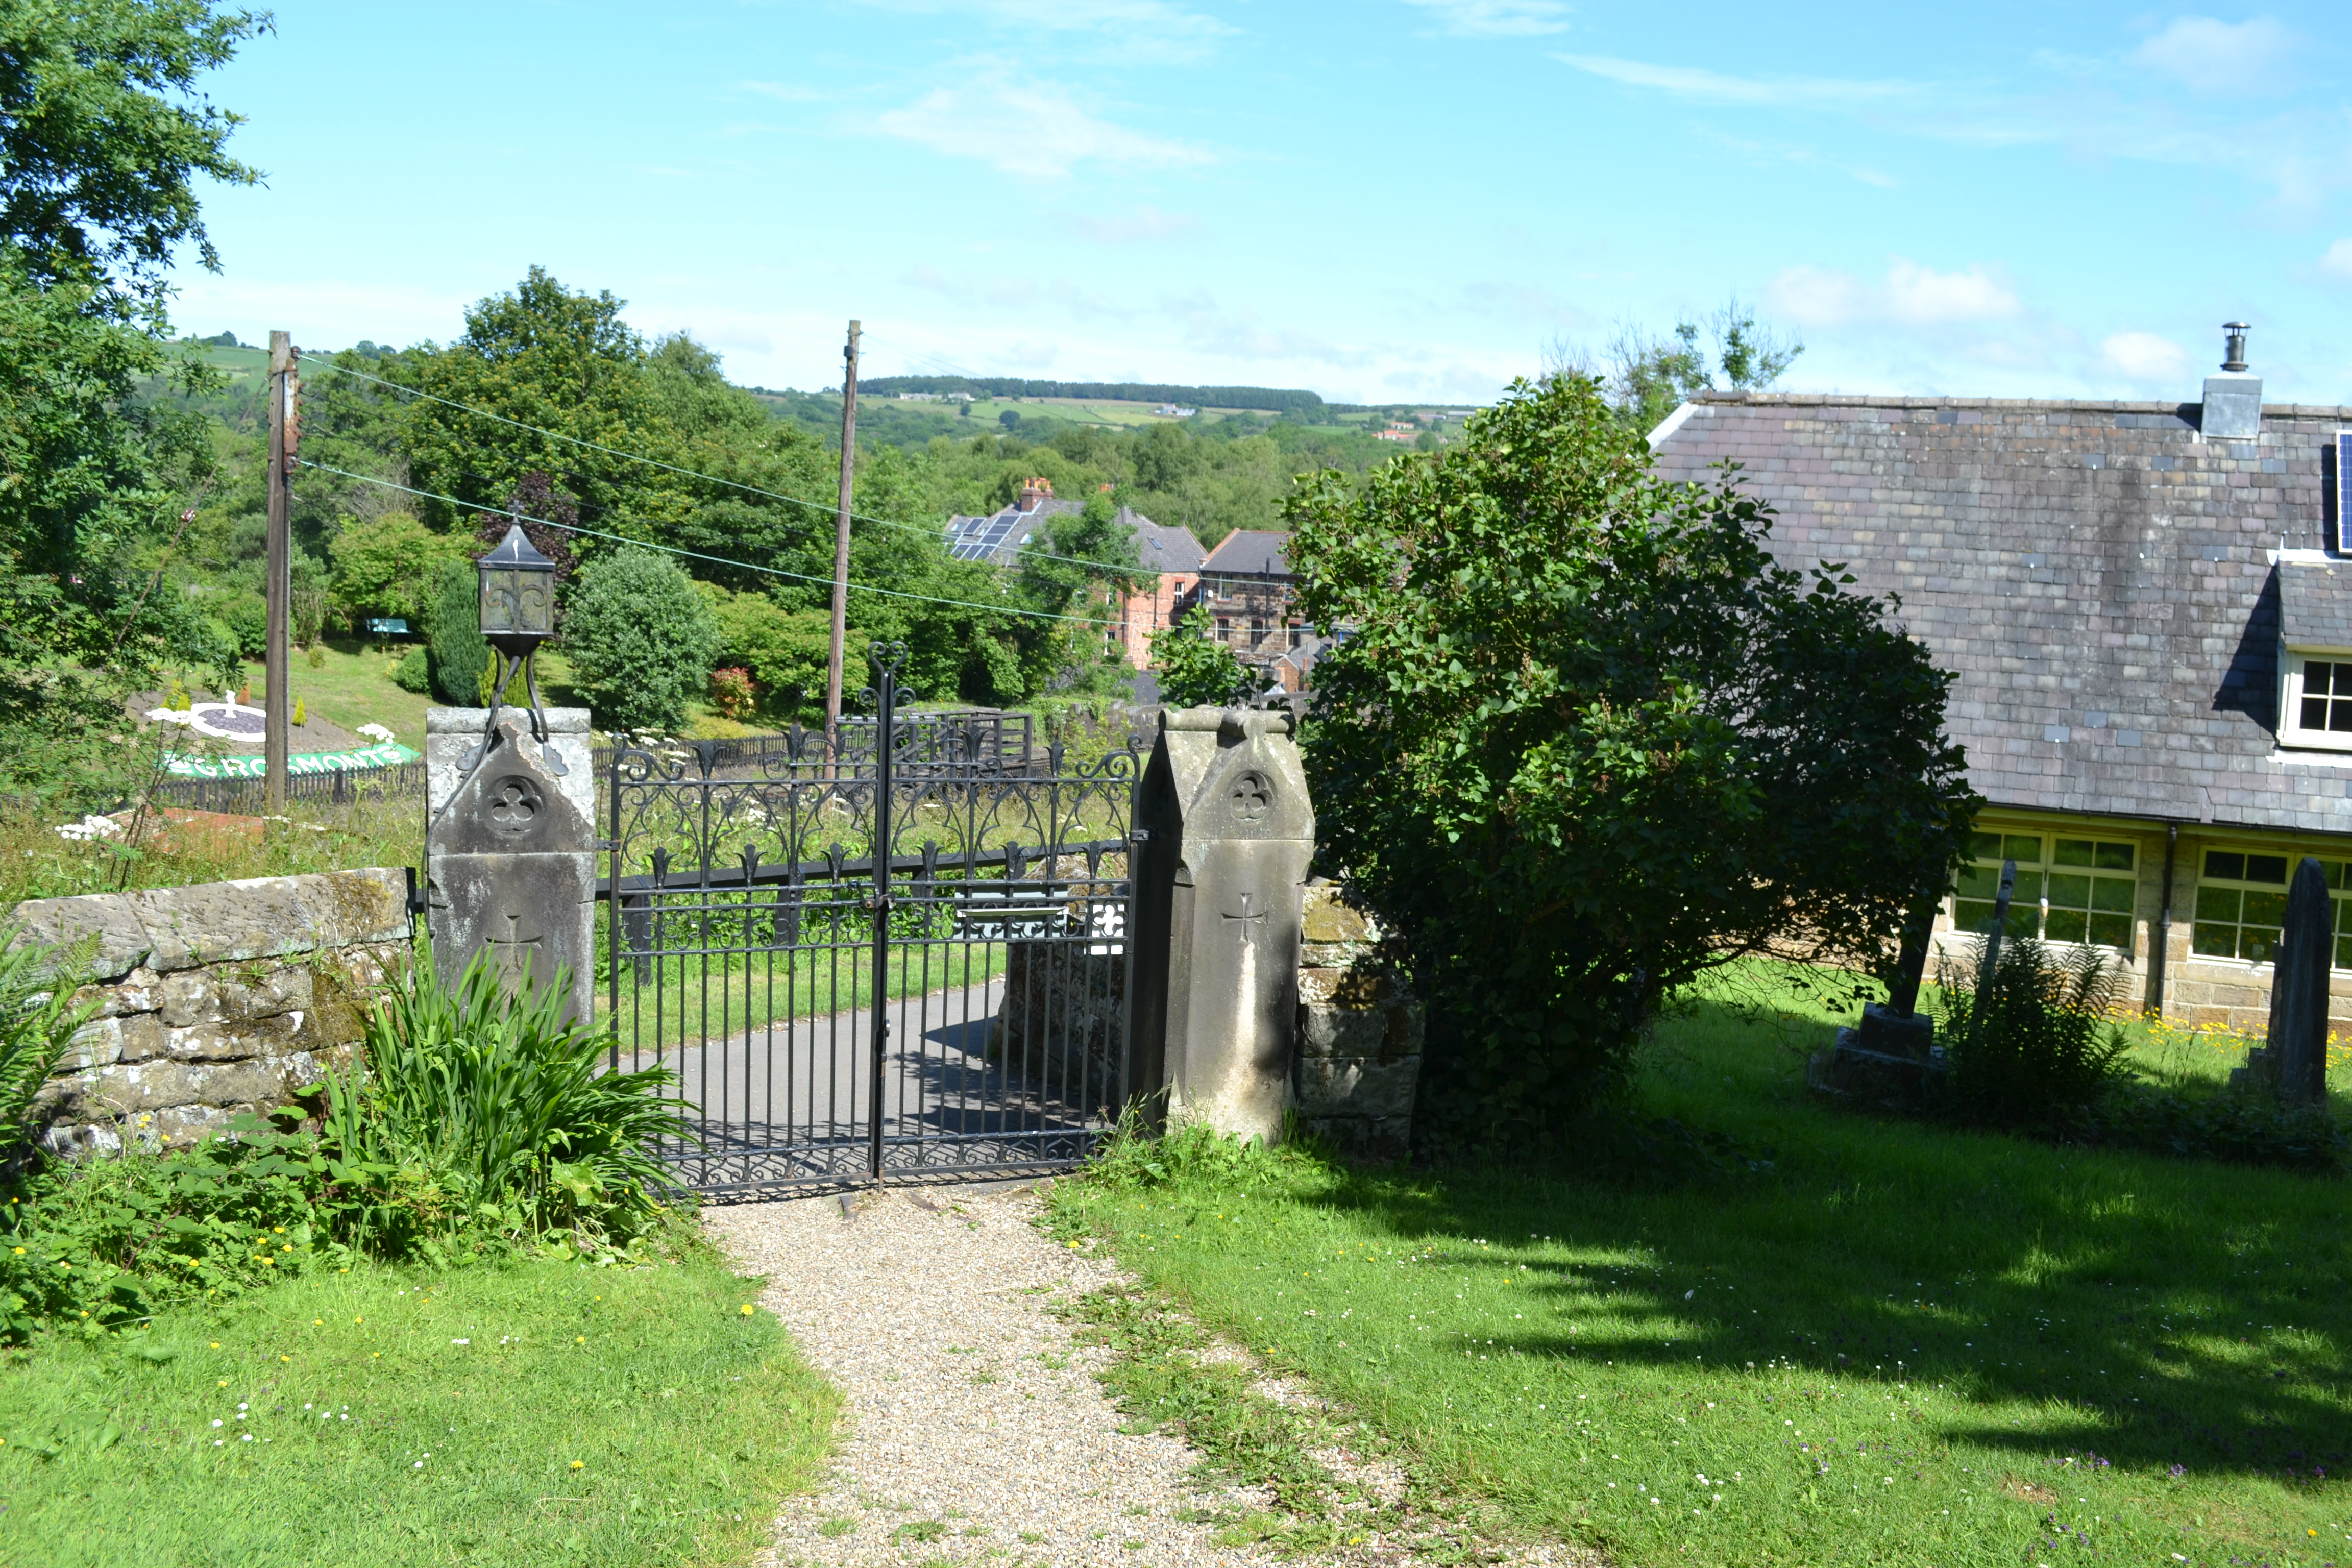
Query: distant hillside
x,y
1276,400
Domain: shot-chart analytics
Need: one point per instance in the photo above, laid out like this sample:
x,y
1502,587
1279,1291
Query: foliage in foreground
x,y
1194,669
479,1130
541,1413
1589,739
37,1019
1906,1344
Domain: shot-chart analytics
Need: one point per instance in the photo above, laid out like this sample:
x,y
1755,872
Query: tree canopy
x,y
1589,739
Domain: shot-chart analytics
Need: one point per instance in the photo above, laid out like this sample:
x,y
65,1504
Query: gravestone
x,y
2296,1055
1227,831
511,853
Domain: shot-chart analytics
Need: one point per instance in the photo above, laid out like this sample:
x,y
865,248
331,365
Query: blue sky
x,y
1392,199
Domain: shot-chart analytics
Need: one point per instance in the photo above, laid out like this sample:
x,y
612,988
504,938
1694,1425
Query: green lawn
x,y
1902,1344
541,1413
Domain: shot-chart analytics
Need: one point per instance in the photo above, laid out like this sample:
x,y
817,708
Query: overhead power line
x,y
716,560
827,508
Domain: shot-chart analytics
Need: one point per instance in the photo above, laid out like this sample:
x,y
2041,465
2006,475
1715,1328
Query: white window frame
x,y
2290,731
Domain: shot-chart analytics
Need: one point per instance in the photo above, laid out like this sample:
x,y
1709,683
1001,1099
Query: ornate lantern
x,y
518,614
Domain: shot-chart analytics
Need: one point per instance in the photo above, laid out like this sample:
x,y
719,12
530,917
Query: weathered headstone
x,y
511,850
1227,831
2297,1051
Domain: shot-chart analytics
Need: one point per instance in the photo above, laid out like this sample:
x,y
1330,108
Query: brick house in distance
x,y
1172,554
2148,610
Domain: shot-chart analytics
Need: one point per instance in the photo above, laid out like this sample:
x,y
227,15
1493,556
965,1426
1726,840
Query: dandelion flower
x,y
577,1464
747,1309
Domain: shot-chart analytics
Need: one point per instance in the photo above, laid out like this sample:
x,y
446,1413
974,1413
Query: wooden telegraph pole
x,y
840,545
275,668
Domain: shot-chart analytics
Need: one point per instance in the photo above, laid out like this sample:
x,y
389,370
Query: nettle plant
x,y
1588,738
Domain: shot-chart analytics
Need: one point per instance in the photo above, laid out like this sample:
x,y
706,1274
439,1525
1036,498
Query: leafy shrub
x,y
1590,740
413,672
2244,1127
1194,669
479,1110
480,1129
459,658
246,616
731,693
640,641
2042,1045
118,1238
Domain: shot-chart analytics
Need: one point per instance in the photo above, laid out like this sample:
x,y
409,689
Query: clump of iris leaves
x,y
473,1127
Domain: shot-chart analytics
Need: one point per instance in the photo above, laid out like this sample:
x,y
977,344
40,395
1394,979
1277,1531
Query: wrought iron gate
x,y
908,962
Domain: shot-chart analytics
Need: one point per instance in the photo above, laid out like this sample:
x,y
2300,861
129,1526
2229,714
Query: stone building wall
x,y
1356,1063
215,999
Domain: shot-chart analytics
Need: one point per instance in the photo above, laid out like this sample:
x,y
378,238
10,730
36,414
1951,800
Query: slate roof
x,y
2106,583
997,536
1161,549
1249,553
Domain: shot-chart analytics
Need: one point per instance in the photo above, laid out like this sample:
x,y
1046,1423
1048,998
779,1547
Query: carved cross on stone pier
x,y
513,950
1245,925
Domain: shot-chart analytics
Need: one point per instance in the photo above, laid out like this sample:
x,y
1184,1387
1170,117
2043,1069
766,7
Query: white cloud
x,y
1497,18
2206,56
2338,262
1909,295
2144,356
1715,87
1145,225
1035,130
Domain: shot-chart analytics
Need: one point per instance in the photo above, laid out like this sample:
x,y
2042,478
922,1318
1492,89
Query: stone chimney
x,y
1036,491
2234,400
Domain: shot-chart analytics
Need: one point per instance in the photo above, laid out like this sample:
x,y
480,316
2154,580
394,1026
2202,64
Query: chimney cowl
x,y
2233,346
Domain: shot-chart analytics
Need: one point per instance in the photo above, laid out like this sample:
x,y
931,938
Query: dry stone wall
x,y
217,998
1357,1066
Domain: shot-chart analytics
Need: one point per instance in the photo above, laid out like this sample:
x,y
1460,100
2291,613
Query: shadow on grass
x,y
2153,1312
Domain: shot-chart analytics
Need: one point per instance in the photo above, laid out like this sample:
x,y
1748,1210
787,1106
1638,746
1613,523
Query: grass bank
x,y
1899,1344
540,1413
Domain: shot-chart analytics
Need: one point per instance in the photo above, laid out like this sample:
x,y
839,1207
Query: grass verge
x,y
540,1413
1901,1344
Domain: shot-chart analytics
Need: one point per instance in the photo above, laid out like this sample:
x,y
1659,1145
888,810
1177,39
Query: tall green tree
x,y
1588,739
103,134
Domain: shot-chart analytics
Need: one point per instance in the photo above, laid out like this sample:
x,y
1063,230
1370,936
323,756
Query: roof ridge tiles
x,y
2091,405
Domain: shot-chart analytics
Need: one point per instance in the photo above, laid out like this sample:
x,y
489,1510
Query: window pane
x,y
2115,857
2113,893
1984,846
1979,882
1971,916
2266,868
2266,909
2256,945
2024,918
2214,940
2218,904
2339,715
2025,848
2335,869
2069,890
2224,866
2314,713
2065,925
2028,890
2317,677
2071,852
2112,931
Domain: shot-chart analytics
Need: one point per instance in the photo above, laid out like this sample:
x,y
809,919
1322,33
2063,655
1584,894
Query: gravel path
x,y
976,1429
